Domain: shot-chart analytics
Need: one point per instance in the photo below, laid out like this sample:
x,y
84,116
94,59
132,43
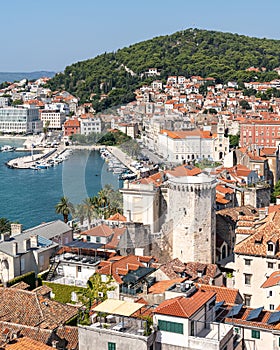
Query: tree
x,y
234,140
96,290
276,192
244,104
5,225
46,127
64,207
89,209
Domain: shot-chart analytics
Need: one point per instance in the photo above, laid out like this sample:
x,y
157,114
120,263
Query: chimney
x,y
34,241
26,244
15,248
16,229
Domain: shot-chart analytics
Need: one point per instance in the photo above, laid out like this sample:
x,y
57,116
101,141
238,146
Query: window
x,y
270,265
247,299
79,268
247,262
98,239
111,346
247,278
192,328
270,247
271,307
172,327
255,334
88,238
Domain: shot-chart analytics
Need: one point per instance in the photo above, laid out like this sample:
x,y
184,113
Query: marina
x,y
29,196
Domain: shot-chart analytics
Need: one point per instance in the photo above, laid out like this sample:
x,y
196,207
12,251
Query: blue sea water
x,y
29,196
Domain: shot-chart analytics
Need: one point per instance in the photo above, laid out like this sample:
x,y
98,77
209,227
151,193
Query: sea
x,y
29,196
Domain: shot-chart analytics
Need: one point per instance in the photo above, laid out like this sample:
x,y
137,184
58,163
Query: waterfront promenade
x,y
123,158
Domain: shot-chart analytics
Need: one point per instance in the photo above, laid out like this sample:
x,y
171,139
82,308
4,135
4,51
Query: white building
x,y
54,118
179,146
90,124
256,264
20,120
188,322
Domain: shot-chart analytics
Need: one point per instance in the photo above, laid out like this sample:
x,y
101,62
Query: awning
x,y
118,307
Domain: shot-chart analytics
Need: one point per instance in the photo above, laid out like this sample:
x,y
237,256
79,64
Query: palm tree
x,y
5,225
64,207
88,209
79,213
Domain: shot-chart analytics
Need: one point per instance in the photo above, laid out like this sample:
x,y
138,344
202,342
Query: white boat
x,y
7,148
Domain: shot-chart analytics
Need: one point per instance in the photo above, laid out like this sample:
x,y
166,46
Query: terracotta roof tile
x,y
273,280
184,307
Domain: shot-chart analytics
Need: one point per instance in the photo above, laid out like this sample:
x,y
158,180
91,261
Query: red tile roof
x,y
228,295
273,280
184,306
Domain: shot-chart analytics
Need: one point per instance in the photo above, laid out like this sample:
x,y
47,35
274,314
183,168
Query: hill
x,y
16,76
224,56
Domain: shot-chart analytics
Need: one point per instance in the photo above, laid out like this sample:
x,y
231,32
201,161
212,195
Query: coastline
x,y
9,137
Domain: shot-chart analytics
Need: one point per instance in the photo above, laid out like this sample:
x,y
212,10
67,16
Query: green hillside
x,y
224,56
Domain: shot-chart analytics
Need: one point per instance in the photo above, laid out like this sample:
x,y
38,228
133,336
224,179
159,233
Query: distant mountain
x,y
16,76
223,56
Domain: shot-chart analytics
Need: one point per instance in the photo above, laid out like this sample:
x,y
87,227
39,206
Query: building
x,y
71,127
189,145
256,259
90,124
31,250
259,133
188,322
121,328
54,119
191,203
20,120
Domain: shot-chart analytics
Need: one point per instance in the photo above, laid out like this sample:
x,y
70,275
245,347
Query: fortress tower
x,y
191,201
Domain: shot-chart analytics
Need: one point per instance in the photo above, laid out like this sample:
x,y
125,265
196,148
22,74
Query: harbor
x,y
43,160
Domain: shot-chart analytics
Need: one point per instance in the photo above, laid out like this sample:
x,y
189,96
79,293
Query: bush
x,y
29,278
62,292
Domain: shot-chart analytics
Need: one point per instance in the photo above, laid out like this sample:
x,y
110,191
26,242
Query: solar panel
x,y
218,305
254,314
235,310
274,317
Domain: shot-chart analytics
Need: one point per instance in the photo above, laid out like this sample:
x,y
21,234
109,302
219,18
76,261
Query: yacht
x,y
7,148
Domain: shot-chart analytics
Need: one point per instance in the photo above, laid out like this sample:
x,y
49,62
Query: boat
x,y
34,167
7,148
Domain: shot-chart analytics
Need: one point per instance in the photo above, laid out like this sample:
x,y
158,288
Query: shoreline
x,y
5,137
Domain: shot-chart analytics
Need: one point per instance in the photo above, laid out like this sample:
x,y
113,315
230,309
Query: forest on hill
x,y
224,56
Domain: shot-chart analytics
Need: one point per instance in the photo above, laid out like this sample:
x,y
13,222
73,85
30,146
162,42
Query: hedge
x,y
29,278
62,292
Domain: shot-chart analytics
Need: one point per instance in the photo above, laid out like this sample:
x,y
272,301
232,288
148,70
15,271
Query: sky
x,y
50,35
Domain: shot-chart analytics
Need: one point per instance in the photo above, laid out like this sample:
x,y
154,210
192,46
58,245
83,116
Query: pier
x,y
30,162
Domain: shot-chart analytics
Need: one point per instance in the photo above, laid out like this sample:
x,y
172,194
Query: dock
x,y
30,161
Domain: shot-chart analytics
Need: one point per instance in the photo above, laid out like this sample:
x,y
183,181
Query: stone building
x,y
191,202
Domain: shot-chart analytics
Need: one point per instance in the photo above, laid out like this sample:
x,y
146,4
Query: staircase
x,y
52,270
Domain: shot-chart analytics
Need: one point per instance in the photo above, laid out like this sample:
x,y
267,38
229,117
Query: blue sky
x,y
49,35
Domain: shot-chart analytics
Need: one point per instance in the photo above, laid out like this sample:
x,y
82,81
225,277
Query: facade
x,y
32,249
20,120
191,202
256,259
89,124
187,322
180,146
55,118
71,127
259,132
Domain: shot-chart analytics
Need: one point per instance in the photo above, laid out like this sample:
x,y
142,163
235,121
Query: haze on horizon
x,y
50,36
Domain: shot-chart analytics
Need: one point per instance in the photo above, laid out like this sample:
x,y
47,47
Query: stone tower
x,y
191,202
